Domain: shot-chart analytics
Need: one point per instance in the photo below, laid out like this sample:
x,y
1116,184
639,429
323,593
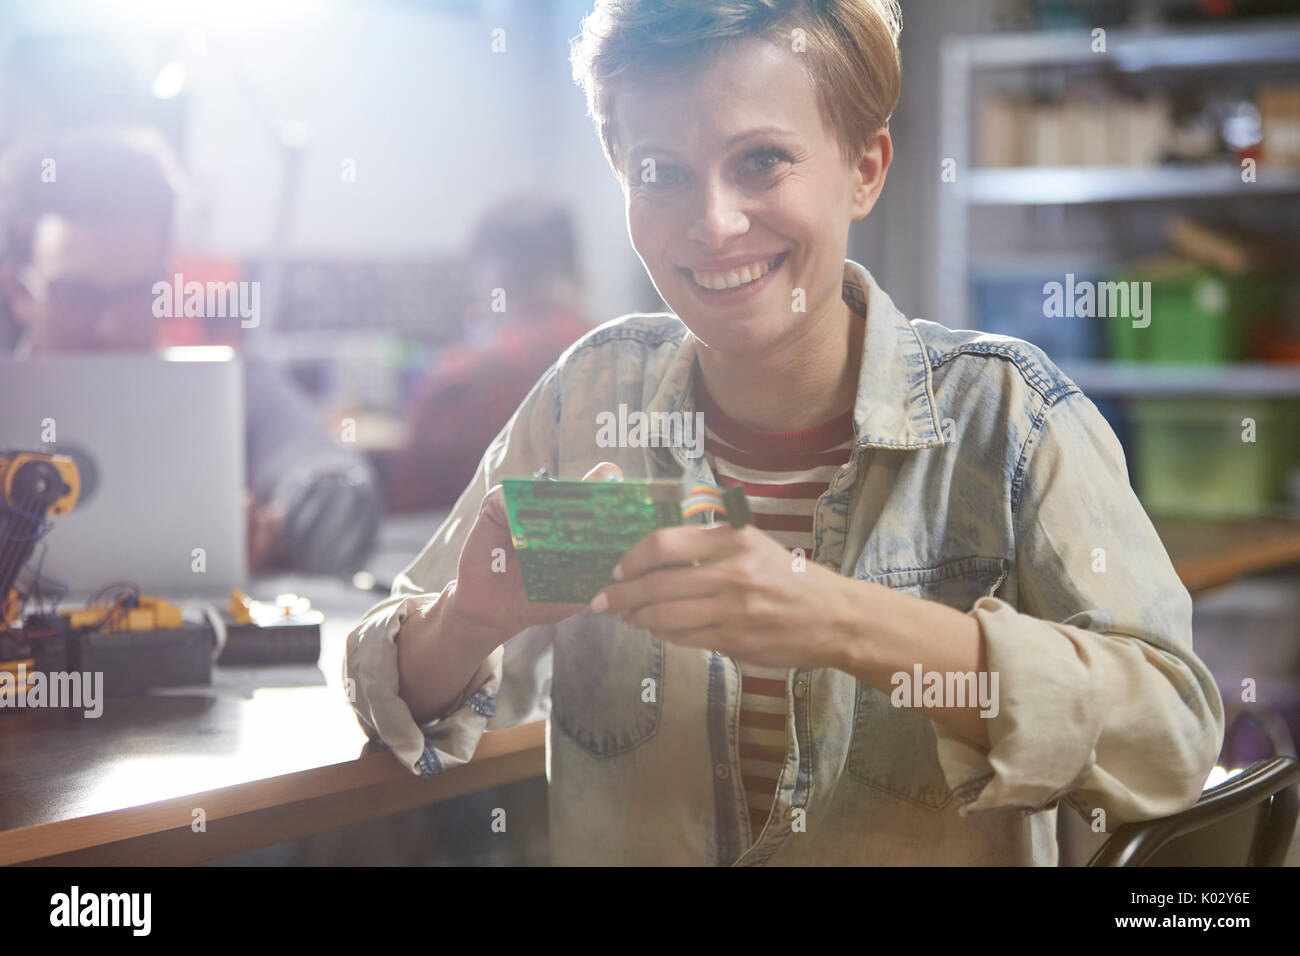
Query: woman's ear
x,y
869,176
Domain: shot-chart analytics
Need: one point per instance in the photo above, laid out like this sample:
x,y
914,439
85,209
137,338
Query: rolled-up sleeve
x,y
512,684
1102,701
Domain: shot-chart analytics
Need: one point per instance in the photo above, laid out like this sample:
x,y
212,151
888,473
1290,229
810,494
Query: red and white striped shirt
x,y
783,474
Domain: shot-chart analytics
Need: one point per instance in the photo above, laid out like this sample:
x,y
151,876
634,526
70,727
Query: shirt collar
x,y
895,402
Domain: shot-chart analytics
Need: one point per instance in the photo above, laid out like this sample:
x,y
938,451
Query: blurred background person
x,y
527,307
83,239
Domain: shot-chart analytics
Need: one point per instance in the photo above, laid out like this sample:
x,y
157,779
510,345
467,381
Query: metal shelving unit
x,y
1102,379
1137,50
1131,51
1062,185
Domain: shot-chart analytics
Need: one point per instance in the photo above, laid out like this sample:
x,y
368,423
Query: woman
x,y
951,613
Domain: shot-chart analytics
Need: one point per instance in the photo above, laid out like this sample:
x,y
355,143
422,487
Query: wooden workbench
x,y
268,763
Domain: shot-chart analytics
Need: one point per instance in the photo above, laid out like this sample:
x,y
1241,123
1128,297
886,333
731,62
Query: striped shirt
x,y
783,474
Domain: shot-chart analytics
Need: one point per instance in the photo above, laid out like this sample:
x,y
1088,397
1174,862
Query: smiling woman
x,y
747,141
926,501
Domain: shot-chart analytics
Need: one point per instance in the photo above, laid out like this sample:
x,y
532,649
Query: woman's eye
x,y
661,175
766,160
762,162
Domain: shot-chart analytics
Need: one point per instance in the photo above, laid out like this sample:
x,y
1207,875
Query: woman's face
x,y
746,189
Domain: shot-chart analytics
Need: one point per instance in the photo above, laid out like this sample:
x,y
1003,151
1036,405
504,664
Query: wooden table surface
x,y
273,754
124,789
1210,554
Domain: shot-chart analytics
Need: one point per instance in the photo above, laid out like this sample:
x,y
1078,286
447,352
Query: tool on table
x,y
137,641
286,631
33,487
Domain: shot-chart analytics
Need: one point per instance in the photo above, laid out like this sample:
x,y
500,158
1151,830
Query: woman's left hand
x,y
735,591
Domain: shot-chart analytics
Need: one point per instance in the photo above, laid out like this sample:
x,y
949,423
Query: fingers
x,y
494,506
549,613
691,614
605,471
663,584
688,544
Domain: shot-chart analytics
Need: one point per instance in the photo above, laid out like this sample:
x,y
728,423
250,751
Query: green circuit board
x,y
569,534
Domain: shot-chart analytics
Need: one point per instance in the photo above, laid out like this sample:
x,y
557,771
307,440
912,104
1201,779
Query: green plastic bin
x,y
1191,459
1198,315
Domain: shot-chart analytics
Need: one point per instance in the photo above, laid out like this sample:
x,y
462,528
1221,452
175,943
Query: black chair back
x,y
1248,820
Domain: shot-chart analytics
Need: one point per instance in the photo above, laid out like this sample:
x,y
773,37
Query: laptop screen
x,y
159,446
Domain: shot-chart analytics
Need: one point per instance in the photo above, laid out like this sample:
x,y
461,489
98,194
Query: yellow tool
x,y
238,608
33,486
147,614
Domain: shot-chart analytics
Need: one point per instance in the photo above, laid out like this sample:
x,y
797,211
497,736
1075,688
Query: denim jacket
x,y
981,478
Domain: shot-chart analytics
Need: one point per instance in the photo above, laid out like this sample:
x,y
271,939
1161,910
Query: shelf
x,y
1134,50
1268,46
1143,380
1042,262
1055,185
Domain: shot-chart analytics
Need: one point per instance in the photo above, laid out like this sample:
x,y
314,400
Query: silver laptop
x,y
160,448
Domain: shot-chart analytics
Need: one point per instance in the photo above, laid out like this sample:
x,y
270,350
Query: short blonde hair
x,y
851,50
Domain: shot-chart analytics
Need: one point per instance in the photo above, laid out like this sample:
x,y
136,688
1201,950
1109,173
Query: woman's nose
x,y
717,216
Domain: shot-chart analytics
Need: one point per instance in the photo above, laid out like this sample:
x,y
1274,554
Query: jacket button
x,y
801,689
722,771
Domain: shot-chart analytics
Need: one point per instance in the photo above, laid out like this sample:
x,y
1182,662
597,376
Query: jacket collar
x,y
895,406
895,403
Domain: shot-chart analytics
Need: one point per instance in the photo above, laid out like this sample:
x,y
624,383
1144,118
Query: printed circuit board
x,y
569,534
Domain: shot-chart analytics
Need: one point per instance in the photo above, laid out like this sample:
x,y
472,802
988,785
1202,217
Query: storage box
x,y
1191,458
1011,301
1197,315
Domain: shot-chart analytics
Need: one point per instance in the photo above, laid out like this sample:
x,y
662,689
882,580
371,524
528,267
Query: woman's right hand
x,y
492,605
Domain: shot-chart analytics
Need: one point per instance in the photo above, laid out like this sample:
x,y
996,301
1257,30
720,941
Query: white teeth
x,y
734,278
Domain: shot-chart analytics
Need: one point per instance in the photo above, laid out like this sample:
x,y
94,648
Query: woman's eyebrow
x,y
642,148
759,131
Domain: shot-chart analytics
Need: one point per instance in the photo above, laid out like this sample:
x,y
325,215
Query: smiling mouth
x,y
734,278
